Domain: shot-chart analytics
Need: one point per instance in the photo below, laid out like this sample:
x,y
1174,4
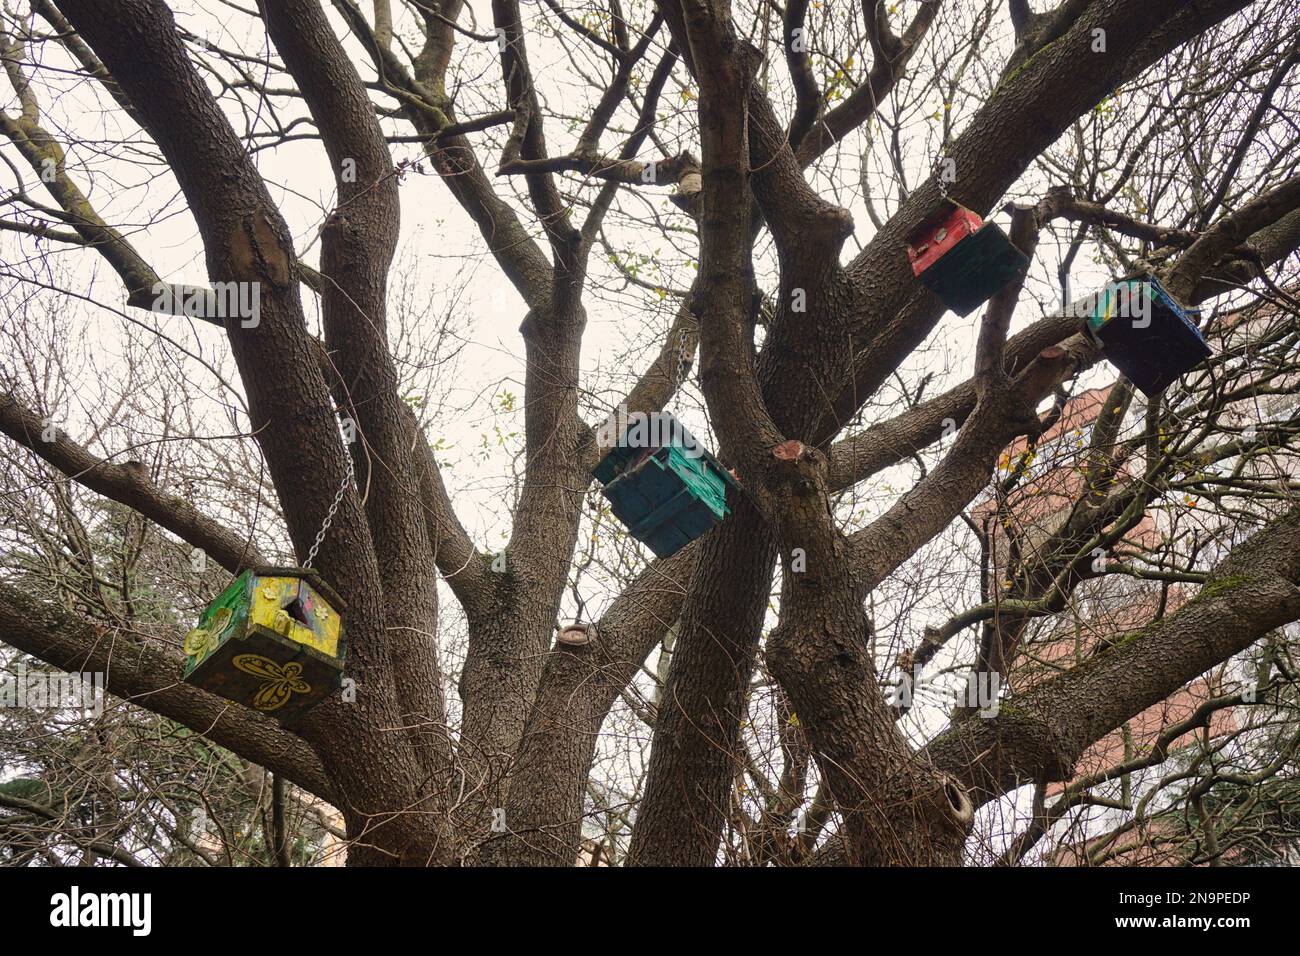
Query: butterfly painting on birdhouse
x,y
272,641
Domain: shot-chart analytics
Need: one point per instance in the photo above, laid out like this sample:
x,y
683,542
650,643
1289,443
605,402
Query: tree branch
x,y
129,486
142,673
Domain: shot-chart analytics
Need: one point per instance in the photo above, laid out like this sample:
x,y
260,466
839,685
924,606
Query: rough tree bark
x,y
415,790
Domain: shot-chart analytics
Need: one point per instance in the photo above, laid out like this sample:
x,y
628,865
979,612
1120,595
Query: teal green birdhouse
x,y
1145,333
273,641
662,483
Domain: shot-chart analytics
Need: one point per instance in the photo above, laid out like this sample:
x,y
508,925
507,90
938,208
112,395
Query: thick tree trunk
x,y
694,751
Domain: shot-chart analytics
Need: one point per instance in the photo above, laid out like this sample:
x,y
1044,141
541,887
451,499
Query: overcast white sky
x,y
444,260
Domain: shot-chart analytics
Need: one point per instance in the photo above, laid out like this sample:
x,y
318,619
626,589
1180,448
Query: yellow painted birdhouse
x,y
273,641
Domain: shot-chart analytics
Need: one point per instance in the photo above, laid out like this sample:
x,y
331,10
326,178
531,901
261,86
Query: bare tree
x,y
737,182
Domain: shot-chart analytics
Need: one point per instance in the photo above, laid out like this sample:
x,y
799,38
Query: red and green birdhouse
x,y
962,259
663,484
273,641
1145,333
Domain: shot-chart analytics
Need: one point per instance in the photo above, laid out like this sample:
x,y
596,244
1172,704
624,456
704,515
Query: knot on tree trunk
x,y
689,196
799,467
956,803
1023,744
258,252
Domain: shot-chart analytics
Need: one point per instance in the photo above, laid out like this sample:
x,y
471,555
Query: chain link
x,y
329,515
939,174
683,360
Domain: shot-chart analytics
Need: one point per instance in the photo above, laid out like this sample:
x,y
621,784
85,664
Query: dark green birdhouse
x,y
663,484
962,259
273,641
1145,333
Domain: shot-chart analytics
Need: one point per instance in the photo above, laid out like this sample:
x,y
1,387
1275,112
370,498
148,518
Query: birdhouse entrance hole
x,y
296,611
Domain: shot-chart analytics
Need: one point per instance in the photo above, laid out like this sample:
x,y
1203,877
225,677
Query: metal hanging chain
x,y
938,172
329,515
683,361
